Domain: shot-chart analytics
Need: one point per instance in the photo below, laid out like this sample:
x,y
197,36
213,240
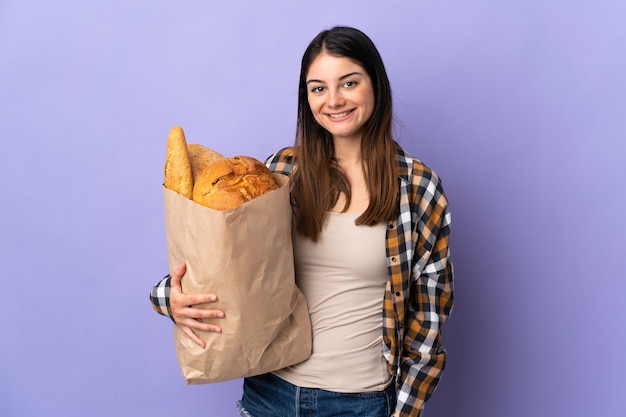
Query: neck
x,y
348,151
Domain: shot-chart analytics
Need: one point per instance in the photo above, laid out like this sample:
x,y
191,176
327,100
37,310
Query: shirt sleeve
x,y
281,162
431,299
160,297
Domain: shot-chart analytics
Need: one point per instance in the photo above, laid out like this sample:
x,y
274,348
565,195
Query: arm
x,y
431,299
168,299
160,297
424,357
281,162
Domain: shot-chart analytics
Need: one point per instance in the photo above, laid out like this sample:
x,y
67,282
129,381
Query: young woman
x,y
371,251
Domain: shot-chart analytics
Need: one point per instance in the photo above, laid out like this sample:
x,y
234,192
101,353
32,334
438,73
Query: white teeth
x,y
338,115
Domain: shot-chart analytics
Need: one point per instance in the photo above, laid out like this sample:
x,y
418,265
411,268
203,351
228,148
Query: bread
x,y
207,177
178,174
200,157
230,182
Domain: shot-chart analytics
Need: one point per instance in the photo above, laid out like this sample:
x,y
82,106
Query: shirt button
x,y
391,226
398,294
393,259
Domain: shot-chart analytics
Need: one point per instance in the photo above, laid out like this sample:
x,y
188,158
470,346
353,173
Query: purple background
x,y
518,105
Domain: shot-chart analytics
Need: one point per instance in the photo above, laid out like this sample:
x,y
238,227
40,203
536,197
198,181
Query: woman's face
x,y
340,95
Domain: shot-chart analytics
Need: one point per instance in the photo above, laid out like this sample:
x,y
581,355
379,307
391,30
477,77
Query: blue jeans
x,y
270,396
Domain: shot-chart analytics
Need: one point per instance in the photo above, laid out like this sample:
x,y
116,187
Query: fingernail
x,y
220,314
213,298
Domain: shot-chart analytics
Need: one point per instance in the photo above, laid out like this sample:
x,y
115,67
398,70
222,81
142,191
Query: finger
x,y
190,333
177,276
178,300
200,313
193,299
198,325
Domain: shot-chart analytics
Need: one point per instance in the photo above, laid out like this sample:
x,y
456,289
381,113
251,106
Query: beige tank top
x,y
343,278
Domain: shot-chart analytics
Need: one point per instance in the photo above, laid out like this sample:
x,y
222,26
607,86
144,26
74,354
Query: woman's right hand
x,y
184,311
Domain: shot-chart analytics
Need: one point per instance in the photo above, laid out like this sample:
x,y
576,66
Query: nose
x,y
335,98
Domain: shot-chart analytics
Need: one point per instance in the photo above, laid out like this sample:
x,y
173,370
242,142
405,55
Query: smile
x,y
339,115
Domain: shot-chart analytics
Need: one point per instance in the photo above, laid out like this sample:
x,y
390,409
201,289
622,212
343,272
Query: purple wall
x,y
518,105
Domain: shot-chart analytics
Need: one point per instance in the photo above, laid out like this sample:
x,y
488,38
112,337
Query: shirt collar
x,y
404,163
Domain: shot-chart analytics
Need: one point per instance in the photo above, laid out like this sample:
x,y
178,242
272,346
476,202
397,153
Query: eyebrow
x,y
340,78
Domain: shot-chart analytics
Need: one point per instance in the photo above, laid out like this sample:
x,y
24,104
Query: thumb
x,y
177,276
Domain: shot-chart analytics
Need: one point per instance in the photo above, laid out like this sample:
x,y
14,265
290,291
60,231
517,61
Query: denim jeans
x,y
270,396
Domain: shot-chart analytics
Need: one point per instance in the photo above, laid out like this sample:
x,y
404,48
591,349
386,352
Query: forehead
x,y
326,67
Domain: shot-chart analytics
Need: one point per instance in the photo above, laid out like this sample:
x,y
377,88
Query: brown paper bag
x,y
244,256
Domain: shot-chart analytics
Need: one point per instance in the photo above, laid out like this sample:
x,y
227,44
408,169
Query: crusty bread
x,y
178,175
230,182
201,157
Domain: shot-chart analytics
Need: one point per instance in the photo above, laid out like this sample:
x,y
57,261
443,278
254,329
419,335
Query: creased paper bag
x,y
245,257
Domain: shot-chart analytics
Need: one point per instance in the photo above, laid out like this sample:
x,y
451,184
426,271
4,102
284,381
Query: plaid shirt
x,y
419,293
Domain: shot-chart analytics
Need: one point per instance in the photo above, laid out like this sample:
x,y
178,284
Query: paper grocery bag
x,y
245,257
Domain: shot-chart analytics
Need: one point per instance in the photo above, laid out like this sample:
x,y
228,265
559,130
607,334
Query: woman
x,y
371,239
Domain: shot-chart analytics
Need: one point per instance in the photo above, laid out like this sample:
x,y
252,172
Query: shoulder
x,y
423,180
412,169
282,161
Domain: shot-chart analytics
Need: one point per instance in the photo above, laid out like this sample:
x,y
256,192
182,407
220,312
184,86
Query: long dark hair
x,y
318,180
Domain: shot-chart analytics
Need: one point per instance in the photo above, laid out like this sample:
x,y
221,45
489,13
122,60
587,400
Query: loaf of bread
x,y
178,174
201,157
208,178
229,182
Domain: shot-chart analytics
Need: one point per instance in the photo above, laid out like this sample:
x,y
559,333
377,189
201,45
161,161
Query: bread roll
x,y
200,158
178,175
230,182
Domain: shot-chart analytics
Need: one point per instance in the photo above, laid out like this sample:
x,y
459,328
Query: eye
x,y
349,84
317,90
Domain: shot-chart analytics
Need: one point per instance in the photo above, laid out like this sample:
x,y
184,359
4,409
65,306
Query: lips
x,y
341,115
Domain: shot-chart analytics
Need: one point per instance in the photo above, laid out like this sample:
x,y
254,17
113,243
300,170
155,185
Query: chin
x,y
345,135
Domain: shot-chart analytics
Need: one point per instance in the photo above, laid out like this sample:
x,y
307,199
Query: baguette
x,y
177,170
